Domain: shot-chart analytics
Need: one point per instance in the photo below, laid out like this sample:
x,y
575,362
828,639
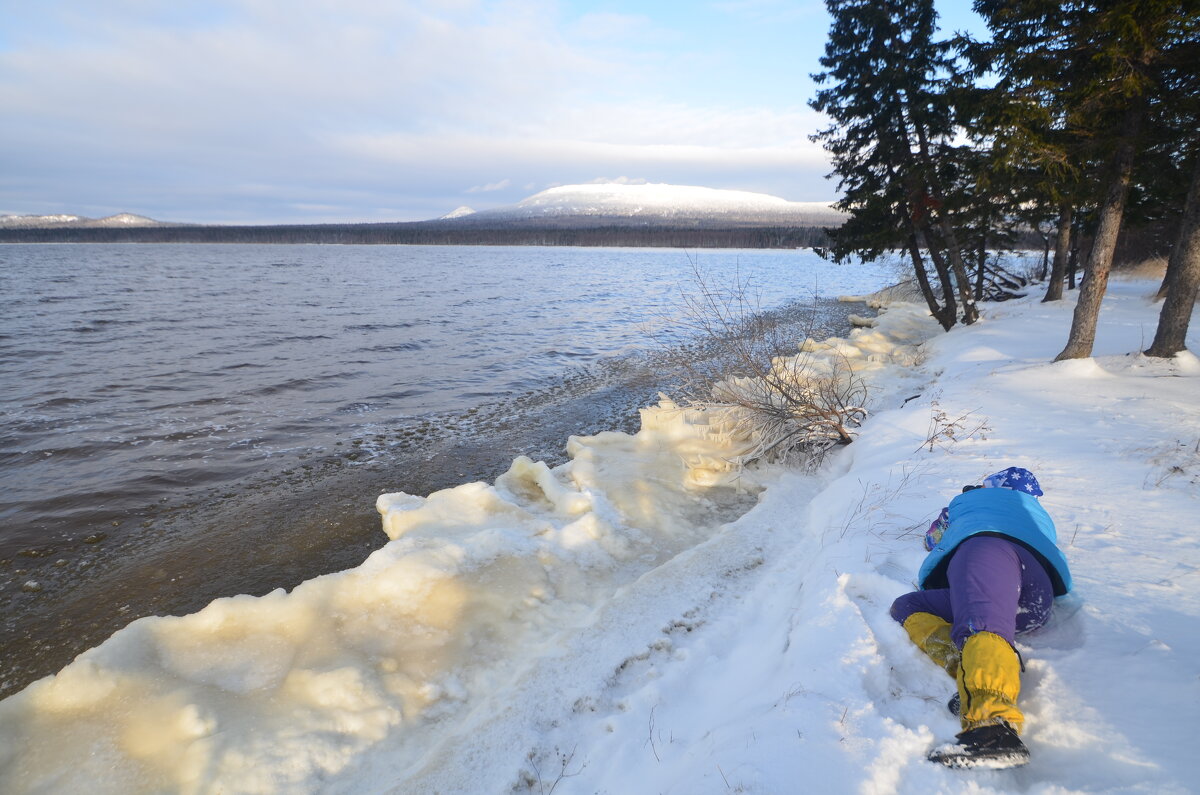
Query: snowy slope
x,y
788,675
644,619
126,219
57,221
40,220
803,677
668,202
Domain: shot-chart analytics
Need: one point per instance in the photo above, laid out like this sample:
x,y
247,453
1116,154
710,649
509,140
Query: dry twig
x,y
757,385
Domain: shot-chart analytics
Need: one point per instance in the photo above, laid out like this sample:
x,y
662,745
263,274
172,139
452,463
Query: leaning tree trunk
x,y
947,314
938,312
1073,261
970,313
1062,245
1095,273
981,261
1162,288
939,264
959,268
963,282
1183,278
1044,271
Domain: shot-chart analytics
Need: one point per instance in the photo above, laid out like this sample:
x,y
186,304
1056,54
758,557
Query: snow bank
x,y
901,292
802,682
648,617
287,690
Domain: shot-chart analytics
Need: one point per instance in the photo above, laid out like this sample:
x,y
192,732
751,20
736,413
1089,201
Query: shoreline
x,y
513,633
482,576
620,234
282,530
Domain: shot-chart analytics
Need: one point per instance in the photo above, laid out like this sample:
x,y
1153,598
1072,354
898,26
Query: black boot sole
x,y
994,746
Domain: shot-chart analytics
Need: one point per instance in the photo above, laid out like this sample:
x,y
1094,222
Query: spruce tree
x,y
885,75
1179,117
1036,143
1183,278
1123,41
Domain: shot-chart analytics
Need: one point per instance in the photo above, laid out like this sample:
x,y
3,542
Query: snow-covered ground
x,y
646,619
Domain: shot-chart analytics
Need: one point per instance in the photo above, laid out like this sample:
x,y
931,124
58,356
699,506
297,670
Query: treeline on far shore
x,y
440,233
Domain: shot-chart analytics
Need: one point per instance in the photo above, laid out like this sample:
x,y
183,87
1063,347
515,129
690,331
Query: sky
x,y
308,111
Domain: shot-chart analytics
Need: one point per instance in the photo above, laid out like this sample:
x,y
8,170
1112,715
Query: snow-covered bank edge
x,y
291,689
803,683
645,618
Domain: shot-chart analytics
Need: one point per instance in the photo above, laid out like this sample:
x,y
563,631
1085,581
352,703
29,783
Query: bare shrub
x,y
529,780
757,384
1175,463
944,430
874,508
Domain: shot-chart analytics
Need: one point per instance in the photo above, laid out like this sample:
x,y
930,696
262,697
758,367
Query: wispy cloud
x,y
490,187
174,109
776,10
620,181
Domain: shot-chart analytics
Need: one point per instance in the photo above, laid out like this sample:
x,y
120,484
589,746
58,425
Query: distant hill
x,y
655,204
118,221
572,215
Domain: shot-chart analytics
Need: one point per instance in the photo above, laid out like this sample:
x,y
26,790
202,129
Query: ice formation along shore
x,y
287,691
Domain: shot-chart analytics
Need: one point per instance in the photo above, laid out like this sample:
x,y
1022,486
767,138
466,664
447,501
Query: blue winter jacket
x,y
998,512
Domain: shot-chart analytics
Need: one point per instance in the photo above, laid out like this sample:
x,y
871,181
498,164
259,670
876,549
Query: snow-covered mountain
x,y
126,219
40,220
79,221
662,203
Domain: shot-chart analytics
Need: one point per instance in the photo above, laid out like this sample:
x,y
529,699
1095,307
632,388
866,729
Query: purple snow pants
x,y
995,585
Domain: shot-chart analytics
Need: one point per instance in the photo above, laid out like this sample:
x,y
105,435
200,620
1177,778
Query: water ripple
x,y
132,372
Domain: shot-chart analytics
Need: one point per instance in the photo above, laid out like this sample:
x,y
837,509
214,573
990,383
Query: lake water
x,y
185,422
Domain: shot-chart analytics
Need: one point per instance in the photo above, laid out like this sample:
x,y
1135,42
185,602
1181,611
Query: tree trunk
x,y
970,313
1046,245
1162,288
1062,244
981,260
914,250
947,315
1077,230
959,268
1095,273
939,264
1183,278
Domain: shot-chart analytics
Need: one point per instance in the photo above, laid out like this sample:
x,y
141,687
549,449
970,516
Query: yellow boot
x,y
989,682
932,636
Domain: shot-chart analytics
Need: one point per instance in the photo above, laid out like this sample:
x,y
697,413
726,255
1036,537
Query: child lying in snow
x,y
992,572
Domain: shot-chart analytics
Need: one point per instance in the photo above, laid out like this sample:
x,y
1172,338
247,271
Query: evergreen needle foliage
x,y
1078,120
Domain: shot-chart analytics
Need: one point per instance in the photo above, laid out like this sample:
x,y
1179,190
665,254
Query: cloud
x,y
605,28
491,186
619,181
793,172
173,109
776,11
